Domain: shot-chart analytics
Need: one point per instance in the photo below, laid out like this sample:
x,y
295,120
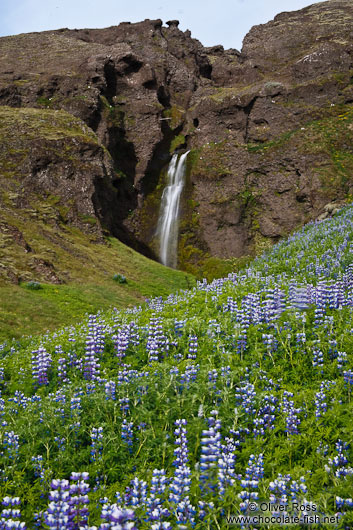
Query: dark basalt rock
x,y
173,23
261,162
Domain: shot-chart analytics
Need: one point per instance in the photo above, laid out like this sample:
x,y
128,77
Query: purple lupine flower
x,y
297,488
332,352
96,444
299,297
75,405
212,377
58,398
11,444
340,461
91,366
157,343
38,520
181,451
226,463
300,339
56,517
79,501
342,505
279,491
62,364
93,350
121,342
155,510
178,495
137,492
231,306
292,419
348,377
253,474
60,442
117,518
266,415
225,374
204,509
342,359
318,359
41,363
37,462
20,401
184,513
124,405
178,327
319,316
245,397
193,347
153,351
210,452
161,526
91,387
242,342
320,404
270,342
214,328
110,390
127,433
189,376
10,515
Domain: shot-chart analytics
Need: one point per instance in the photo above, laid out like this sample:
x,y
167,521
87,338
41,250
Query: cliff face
x,y
54,177
269,128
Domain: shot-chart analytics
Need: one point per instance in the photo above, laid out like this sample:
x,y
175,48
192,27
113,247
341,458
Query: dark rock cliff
x,y
270,128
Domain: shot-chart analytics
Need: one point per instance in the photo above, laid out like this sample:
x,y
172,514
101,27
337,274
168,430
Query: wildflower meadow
x,y
181,413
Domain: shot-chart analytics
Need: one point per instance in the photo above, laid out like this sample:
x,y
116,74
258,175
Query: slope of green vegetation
x,y
92,266
190,410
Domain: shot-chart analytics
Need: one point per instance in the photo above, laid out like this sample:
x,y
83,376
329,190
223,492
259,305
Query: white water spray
x,y
168,220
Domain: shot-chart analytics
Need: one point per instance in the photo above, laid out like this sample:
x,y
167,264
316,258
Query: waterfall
x,y
168,220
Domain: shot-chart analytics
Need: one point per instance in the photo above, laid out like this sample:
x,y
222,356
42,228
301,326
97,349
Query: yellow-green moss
x,y
176,142
208,161
42,123
175,114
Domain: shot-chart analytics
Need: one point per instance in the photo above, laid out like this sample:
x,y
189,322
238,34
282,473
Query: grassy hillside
x,y
184,411
28,311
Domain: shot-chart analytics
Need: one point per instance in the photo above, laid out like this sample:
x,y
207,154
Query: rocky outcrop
x,y
269,128
53,174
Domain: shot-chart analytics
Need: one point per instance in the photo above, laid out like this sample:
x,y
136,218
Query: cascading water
x,y
168,220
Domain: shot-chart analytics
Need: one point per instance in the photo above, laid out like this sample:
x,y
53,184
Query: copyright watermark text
x,y
295,513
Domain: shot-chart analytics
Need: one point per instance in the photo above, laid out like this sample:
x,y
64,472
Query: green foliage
x,y
120,278
175,116
247,197
176,142
114,115
45,102
33,286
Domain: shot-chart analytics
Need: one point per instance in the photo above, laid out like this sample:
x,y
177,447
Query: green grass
x,y
28,312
